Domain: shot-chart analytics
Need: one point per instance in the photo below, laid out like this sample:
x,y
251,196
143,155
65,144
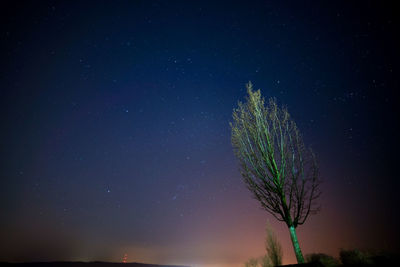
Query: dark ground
x,y
84,264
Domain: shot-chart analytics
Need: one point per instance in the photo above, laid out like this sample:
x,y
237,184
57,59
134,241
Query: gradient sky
x,y
115,126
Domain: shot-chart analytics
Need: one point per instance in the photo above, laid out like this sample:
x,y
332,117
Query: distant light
x,y
125,258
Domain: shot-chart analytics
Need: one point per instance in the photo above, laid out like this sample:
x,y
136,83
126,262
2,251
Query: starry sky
x,y
115,126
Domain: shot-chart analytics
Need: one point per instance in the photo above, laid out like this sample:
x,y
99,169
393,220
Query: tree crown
x,y
276,166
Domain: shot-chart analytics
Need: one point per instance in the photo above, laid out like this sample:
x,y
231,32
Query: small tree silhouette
x,y
273,247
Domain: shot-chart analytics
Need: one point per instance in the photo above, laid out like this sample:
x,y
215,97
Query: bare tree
x,y
273,247
276,166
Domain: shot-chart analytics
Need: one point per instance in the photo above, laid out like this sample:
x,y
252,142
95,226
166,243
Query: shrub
x,y
355,257
325,260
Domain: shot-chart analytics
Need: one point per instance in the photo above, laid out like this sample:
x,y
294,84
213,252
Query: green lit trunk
x,y
296,246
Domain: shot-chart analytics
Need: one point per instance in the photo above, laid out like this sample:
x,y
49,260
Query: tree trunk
x,y
296,246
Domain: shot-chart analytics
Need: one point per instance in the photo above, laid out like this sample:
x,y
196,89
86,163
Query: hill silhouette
x,y
84,264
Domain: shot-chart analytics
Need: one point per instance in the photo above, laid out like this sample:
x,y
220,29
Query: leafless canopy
x,y
276,166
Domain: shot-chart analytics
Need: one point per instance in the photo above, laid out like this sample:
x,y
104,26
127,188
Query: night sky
x,y
115,126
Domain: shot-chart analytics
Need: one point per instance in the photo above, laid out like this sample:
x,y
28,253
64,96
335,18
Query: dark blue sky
x,y
116,135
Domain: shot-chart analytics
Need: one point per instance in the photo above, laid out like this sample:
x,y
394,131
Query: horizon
x,y
116,127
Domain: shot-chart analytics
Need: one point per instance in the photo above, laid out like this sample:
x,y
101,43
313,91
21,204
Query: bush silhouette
x,y
355,257
325,260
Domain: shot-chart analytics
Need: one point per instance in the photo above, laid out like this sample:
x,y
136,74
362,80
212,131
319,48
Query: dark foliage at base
x,y
351,258
325,260
359,258
309,264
